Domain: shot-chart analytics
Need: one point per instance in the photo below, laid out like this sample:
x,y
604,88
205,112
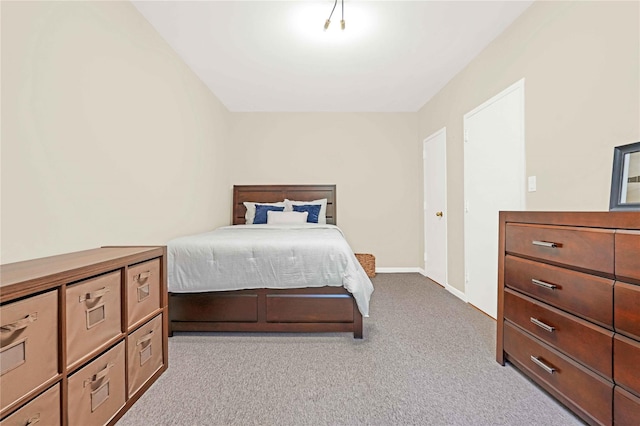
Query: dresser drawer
x,y
626,309
587,343
97,391
144,353
28,345
587,296
626,408
93,315
585,389
628,255
43,410
143,291
626,363
589,249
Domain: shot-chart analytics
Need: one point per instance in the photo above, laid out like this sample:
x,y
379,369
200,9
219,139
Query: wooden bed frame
x,y
311,309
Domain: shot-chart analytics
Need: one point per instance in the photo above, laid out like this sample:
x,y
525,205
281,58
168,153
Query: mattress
x,y
267,256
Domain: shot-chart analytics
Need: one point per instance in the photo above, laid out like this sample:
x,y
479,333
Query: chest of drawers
x,y
83,335
569,308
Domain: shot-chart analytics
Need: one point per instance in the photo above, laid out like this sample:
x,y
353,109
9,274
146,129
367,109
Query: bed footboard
x,y
309,310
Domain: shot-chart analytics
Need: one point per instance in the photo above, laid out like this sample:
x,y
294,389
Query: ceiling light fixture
x,y
328,21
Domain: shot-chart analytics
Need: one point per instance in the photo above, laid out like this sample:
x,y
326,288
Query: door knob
x,y
439,214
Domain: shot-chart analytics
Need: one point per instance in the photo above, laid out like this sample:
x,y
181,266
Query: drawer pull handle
x,y
145,338
142,276
99,375
33,420
95,294
542,364
544,284
545,244
542,325
20,324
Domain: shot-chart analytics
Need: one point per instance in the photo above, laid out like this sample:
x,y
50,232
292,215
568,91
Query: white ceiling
x,y
393,56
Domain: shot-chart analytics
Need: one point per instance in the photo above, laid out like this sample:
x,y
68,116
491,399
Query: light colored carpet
x,y
427,359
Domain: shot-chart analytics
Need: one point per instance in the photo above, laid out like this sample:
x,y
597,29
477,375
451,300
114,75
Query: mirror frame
x,y
618,173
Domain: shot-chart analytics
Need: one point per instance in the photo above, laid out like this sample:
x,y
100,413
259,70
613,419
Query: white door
x,y
493,181
435,205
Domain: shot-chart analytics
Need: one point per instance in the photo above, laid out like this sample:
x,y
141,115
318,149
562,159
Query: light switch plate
x,y
532,184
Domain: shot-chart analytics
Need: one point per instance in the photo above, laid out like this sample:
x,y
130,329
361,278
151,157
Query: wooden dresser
x,y
83,335
569,308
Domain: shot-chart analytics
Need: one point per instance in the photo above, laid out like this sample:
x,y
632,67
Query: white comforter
x,y
267,256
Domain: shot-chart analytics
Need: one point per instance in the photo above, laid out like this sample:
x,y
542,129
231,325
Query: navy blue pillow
x,y
261,212
312,209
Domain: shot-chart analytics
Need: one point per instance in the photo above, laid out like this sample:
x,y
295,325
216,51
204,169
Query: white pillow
x,y
251,209
322,216
286,218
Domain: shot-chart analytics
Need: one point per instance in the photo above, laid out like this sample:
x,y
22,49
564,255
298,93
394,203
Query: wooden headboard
x,y
275,193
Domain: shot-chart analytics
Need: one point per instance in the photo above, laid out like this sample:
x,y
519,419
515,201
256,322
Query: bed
x,y
322,308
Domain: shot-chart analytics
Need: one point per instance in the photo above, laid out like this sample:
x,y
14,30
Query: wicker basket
x,y
368,262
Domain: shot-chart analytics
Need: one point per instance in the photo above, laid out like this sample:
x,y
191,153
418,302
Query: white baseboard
x,y
460,295
397,270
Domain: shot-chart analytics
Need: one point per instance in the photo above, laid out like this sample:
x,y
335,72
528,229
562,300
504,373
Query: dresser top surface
x,y
53,267
611,220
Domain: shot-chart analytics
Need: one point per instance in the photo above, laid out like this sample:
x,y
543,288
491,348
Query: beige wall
x,y
369,156
580,61
107,136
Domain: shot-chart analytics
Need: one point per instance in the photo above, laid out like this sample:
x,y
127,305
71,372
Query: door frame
x,y
440,133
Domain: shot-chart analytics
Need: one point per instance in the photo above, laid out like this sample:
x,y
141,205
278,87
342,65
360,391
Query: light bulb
x,y
326,25
342,24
